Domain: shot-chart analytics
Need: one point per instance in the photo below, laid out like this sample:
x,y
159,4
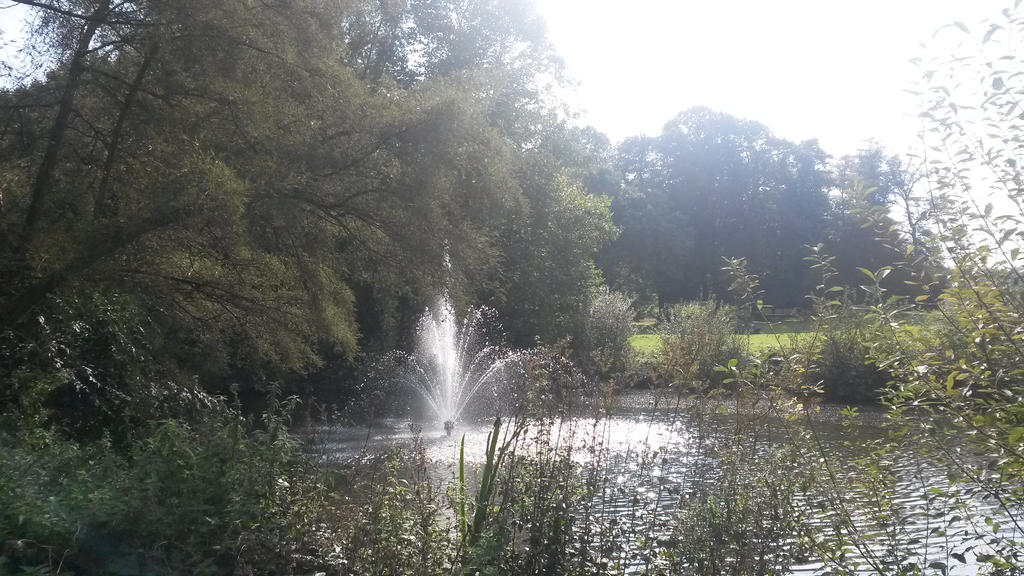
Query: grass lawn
x,y
761,342
651,343
768,338
645,343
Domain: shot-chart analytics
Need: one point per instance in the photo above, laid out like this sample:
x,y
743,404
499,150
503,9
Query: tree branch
x,y
103,205
15,309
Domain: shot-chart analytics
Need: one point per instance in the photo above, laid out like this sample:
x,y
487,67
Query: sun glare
x,y
836,71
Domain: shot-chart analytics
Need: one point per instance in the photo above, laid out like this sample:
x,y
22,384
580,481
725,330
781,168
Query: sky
x,y
826,69
835,70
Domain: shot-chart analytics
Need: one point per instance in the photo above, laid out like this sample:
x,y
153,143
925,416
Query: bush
x,y
842,360
607,328
697,338
230,495
741,524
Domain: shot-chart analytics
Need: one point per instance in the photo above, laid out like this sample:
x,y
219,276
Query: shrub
x,y
743,522
607,328
228,495
842,360
697,338
399,527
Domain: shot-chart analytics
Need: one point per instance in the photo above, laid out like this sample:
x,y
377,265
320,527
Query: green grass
x,y
783,326
645,343
651,343
769,338
763,342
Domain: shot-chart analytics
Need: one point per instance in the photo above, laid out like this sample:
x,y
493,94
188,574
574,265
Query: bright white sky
x,y
835,70
827,69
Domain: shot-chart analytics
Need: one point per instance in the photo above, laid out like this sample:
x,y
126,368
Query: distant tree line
x,y
713,186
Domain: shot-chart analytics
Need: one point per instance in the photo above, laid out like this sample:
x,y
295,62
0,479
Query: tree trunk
x,y
44,176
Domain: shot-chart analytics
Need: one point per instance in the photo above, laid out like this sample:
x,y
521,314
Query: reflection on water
x,y
650,461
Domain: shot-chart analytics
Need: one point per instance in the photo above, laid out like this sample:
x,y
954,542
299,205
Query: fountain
x,y
453,362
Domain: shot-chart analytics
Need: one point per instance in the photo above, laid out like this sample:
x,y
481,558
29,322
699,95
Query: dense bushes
x,y
227,495
740,524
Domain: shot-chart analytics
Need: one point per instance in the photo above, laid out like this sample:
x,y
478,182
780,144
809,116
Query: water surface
x,y
653,454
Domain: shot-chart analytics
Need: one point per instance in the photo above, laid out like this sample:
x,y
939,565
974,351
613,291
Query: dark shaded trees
x,y
877,219
713,186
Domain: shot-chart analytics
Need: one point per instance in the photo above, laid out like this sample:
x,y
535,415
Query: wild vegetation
x,y
216,217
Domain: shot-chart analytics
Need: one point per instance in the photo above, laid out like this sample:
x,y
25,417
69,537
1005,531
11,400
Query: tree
x,y
712,186
261,194
878,218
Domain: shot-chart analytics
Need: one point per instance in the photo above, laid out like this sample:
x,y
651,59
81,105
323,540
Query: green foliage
x,y
517,523
206,198
550,286
608,327
247,194
87,371
487,480
953,384
841,360
713,186
463,519
225,495
400,526
695,340
970,387
737,525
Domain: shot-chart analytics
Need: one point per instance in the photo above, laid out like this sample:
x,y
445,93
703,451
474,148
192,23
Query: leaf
x,y
867,273
991,30
1016,435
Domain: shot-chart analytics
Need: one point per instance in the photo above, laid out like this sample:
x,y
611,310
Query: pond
x,y
650,458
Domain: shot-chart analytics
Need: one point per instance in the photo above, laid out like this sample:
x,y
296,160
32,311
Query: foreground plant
x,y
226,495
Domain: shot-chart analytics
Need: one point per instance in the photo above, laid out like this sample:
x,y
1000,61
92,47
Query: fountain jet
x,y
453,361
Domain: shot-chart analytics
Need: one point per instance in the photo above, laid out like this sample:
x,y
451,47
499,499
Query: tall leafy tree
x,y
243,191
876,219
713,186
